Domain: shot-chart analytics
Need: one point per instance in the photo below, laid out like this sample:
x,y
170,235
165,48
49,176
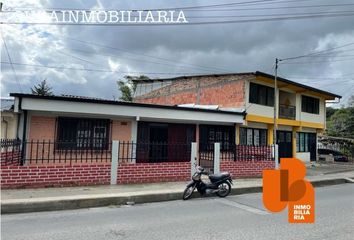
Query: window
x,y
261,94
77,133
209,134
253,137
310,104
304,141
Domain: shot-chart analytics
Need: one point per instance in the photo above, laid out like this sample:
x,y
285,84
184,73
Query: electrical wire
x,y
317,52
185,23
244,3
99,70
12,65
145,55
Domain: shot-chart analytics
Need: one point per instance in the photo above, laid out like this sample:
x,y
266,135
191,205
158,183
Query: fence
x,y
38,152
155,152
10,152
342,145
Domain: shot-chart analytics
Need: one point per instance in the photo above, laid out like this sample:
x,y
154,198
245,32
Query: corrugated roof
x,y
7,104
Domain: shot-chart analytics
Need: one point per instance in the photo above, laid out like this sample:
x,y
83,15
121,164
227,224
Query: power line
x,y
100,70
274,8
311,62
268,15
145,55
11,63
186,23
317,52
137,60
245,3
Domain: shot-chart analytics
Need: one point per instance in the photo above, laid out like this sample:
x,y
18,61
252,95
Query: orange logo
x,y
287,187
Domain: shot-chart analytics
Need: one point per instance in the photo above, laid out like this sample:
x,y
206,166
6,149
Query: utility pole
x,y
276,155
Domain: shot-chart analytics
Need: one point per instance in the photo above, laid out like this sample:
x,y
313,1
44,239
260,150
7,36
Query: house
x,y
8,119
74,123
70,140
300,108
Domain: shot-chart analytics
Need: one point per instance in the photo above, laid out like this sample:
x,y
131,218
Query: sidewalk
x,y
49,199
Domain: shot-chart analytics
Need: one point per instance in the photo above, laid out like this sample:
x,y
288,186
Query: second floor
x,y
251,92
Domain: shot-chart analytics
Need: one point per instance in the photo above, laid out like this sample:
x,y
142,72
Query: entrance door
x,y
158,140
312,146
285,142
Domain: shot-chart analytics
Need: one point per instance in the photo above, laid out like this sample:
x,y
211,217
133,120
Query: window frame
x,y
310,104
82,133
261,132
255,96
210,134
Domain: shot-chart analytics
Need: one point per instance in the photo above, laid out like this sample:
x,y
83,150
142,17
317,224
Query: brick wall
x,y
153,172
225,91
240,169
50,176
10,158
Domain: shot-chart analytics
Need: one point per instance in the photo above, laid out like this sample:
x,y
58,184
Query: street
x,y
235,217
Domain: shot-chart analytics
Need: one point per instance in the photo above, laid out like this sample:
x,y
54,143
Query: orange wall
x,y
225,91
43,128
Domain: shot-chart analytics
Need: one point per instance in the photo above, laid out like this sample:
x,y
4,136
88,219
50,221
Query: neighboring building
x,y
8,119
301,108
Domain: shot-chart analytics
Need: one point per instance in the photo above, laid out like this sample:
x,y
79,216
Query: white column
x,y
193,158
134,139
216,157
275,153
114,162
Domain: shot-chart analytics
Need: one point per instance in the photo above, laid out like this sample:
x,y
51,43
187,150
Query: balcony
x,y
287,111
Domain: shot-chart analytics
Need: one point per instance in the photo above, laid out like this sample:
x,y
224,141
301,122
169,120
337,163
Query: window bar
x,y
49,150
37,144
65,152
59,150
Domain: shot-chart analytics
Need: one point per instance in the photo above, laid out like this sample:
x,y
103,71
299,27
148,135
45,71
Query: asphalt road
x,y
235,217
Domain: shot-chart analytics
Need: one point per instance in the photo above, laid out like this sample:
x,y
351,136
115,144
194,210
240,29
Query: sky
x,y
168,51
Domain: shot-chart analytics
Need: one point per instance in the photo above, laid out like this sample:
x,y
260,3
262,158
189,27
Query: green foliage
x,y
340,123
127,86
42,89
329,112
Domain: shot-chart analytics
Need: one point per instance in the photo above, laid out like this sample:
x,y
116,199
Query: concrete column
x,y
114,162
275,153
193,157
270,134
216,157
134,139
237,134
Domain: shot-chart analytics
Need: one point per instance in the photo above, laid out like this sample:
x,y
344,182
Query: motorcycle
x,y
220,184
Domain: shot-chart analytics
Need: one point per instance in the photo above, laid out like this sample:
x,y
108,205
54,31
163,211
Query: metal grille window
x,y
81,133
210,134
253,137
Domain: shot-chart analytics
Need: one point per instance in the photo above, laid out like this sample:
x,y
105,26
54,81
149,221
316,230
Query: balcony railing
x,y
287,111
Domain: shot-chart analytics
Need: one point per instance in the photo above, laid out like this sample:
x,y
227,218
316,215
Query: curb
x,y
90,202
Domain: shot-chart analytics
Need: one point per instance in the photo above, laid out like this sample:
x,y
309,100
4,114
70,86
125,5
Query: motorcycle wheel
x,y
224,189
187,194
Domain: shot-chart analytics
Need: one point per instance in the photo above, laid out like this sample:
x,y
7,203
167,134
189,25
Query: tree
x,y
127,86
42,89
351,101
341,123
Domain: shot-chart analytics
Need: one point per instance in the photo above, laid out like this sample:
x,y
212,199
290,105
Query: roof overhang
x,y
298,87
114,109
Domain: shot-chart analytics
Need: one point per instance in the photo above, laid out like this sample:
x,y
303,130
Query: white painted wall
x,y
303,156
266,111
157,114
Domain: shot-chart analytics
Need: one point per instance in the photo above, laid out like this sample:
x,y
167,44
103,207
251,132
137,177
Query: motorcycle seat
x,y
218,176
